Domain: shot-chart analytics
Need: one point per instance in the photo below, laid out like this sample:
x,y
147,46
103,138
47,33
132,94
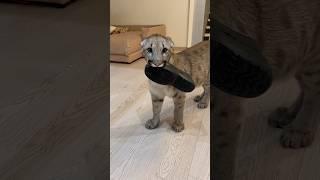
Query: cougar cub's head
x,y
157,50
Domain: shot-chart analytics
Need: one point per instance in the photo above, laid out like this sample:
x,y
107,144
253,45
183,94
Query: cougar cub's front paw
x,y
178,127
152,124
280,118
202,105
296,138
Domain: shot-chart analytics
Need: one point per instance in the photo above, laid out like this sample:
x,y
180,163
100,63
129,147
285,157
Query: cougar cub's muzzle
x,y
157,63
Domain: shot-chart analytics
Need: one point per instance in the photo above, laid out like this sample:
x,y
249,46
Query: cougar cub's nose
x,y
157,63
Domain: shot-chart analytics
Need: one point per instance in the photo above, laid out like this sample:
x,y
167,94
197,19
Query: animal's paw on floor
x,y
296,138
152,124
202,105
178,127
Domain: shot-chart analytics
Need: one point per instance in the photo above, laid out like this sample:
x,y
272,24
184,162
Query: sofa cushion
x,y
125,43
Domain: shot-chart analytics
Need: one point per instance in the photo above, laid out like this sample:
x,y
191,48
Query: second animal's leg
x,y
179,101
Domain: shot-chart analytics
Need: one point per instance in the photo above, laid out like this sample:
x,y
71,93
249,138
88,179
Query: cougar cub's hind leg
x,y
300,133
179,101
156,107
283,116
199,97
203,99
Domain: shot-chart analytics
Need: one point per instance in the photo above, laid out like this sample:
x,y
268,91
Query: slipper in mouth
x,y
238,66
170,75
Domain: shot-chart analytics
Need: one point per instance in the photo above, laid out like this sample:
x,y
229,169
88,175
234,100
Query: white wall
x,y
196,20
173,13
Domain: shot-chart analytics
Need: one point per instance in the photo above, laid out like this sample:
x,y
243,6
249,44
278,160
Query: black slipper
x,y
170,75
238,67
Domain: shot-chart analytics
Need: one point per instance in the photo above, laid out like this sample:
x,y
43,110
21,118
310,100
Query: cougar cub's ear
x,y
143,42
169,40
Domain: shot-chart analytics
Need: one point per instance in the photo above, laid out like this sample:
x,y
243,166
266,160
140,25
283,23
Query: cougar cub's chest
x,y
162,90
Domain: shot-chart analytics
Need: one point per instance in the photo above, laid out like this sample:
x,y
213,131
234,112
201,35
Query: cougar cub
x,y
157,51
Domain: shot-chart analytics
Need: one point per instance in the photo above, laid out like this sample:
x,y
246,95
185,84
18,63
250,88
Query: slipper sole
x,y
170,75
238,67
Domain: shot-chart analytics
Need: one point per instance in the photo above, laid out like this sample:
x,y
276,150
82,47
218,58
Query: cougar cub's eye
x,y
164,50
149,50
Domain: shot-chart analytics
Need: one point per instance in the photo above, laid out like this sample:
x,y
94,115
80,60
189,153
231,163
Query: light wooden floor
x,y
137,153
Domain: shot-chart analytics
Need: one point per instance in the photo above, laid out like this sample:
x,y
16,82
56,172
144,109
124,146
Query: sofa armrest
x,y
147,31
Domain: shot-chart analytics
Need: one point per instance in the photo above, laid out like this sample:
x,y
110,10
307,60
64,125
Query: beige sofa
x,y
125,47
